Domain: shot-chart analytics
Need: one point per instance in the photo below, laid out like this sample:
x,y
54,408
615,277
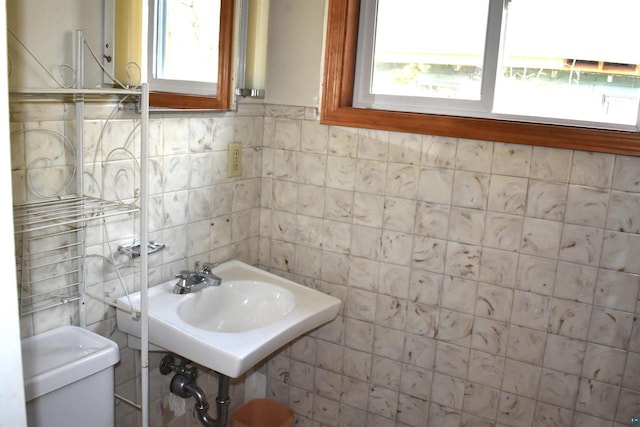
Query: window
x,y
481,70
186,45
422,55
576,63
190,53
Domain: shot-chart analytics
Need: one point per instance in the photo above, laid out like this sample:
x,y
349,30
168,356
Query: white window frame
x,y
189,87
363,98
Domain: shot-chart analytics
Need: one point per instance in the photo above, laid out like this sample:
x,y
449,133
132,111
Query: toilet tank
x,y
69,378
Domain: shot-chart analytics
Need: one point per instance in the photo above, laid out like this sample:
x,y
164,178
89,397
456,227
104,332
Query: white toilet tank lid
x,y
61,356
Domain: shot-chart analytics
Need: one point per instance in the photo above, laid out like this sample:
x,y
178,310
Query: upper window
x,y
557,62
190,53
185,51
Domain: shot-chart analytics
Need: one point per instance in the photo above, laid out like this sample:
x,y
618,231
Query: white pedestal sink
x,y
231,327
237,306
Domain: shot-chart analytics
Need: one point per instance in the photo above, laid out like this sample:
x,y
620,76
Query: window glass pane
x,y
430,48
572,60
187,44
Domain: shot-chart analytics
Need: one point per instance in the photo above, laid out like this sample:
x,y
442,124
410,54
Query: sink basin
x,y
237,306
232,327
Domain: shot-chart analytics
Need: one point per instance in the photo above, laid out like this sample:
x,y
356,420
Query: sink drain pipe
x,y
184,385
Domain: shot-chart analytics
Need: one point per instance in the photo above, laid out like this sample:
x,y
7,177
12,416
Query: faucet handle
x,y
184,274
208,266
182,286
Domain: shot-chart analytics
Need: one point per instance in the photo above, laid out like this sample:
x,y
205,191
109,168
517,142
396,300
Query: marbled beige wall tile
x,y
405,148
441,415
526,345
481,400
515,410
581,245
626,174
511,159
541,237
592,169
391,312
621,251
521,378
341,172
432,220
491,336
399,214
550,164
575,282
386,373
466,225
447,391
569,318
558,388
394,280
610,327
624,212
435,185
473,155
402,180
419,351
486,369
438,151
617,290
412,411
494,302
586,206
373,144
470,189
597,399
314,138
498,267
507,194
627,406
370,176
546,200
564,354
605,364
425,287
536,274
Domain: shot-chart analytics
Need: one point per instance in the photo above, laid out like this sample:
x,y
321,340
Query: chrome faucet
x,y
190,282
208,277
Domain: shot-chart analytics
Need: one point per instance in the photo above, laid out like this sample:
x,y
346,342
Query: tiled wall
x,y
197,211
483,283
199,214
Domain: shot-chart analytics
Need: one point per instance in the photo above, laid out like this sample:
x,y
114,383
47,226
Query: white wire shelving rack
x,y
50,231
50,253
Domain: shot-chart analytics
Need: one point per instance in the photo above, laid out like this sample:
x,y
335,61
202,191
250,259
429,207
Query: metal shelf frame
x,y
43,214
50,233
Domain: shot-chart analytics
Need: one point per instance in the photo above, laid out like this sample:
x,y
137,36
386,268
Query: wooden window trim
x,y
337,97
222,100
